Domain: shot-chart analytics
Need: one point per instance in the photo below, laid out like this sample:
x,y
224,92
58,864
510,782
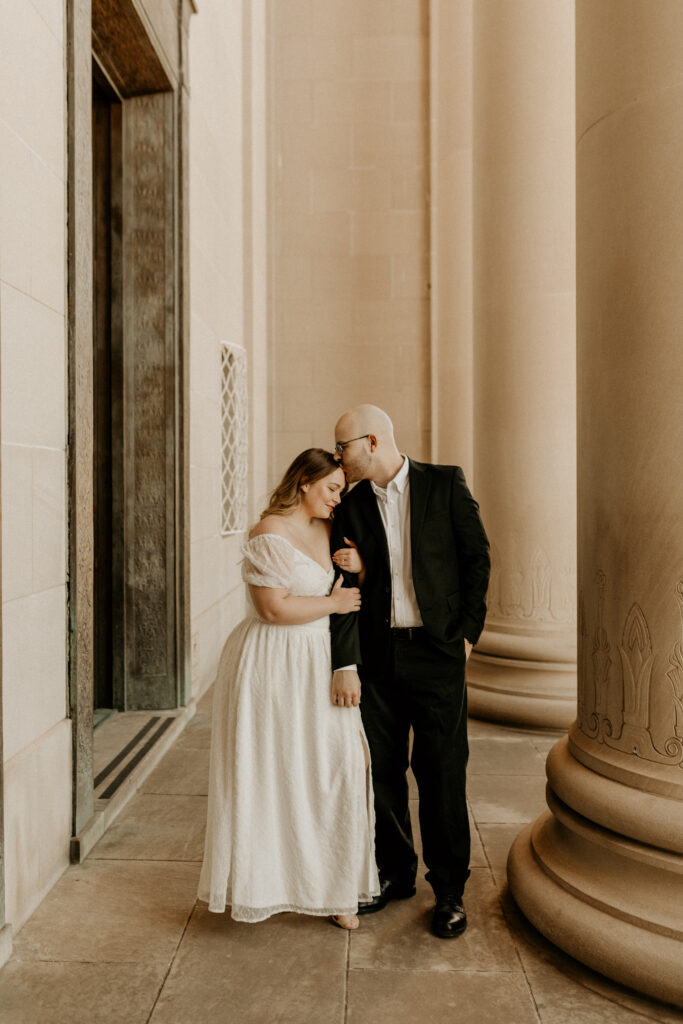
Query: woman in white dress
x,y
290,824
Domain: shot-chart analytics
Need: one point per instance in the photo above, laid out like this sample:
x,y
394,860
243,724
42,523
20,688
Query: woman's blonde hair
x,y
307,468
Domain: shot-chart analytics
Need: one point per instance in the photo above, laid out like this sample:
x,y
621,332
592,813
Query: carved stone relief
x,y
620,713
532,590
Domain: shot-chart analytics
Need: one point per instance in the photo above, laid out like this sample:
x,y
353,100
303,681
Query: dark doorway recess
x,y
107,397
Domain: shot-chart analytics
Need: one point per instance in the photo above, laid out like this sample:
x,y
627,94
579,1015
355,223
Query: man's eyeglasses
x,y
341,445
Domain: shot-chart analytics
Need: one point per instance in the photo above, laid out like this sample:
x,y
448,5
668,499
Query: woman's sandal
x,y
350,927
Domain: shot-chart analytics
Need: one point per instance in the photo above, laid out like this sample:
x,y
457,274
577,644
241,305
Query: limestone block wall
x,y
349,166
36,731
220,304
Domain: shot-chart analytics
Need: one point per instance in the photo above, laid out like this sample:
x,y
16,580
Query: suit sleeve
x,y
344,629
473,551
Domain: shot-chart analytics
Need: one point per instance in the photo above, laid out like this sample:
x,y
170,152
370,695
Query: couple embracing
x,y
308,797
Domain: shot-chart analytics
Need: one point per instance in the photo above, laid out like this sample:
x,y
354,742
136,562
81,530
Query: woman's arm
x,y
349,560
279,607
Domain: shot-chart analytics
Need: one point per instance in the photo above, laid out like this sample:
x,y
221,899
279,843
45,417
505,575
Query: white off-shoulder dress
x,y
290,823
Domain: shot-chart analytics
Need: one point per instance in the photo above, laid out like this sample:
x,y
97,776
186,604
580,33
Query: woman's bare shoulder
x,y
269,524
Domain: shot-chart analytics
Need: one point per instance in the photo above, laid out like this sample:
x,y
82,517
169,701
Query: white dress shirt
x,y
393,502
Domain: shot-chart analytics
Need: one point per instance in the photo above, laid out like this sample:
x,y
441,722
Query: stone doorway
x,y
108,399
127,341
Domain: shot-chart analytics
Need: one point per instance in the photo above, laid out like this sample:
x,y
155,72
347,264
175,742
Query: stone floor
x,y
121,940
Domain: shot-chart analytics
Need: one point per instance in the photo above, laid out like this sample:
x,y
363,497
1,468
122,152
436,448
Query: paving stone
x,y
156,827
399,937
506,799
289,969
183,770
36,992
566,990
112,911
389,997
501,755
497,840
197,732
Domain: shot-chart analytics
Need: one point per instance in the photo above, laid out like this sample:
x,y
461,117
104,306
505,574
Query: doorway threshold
x,y
126,748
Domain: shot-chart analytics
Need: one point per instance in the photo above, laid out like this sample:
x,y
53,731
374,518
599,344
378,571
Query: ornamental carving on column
x,y
675,673
631,730
599,722
532,593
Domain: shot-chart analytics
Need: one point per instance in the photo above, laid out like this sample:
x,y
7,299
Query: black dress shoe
x,y
450,919
389,891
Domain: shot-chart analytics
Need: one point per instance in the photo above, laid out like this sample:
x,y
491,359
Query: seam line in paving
x,y
527,981
19,959
172,961
426,970
146,860
346,978
151,792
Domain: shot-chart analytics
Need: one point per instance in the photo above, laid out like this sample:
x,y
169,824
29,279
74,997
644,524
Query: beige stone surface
x,y
112,912
61,992
524,362
505,798
491,756
34,668
159,827
600,874
451,330
132,925
399,939
34,407
37,820
388,996
183,771
349,163
293,963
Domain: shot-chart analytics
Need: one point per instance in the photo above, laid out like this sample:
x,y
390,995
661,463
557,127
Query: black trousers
x,y
422,687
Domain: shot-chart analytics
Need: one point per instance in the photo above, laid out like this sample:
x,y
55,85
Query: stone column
x,y
524,669
601,873
450,232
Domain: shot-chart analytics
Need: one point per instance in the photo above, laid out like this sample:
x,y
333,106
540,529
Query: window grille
x,y
234,421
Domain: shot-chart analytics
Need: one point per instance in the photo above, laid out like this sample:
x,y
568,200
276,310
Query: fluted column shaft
x,y
601,874
524,669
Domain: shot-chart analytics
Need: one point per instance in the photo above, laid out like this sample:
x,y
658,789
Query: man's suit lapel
x,y
420,484
374,520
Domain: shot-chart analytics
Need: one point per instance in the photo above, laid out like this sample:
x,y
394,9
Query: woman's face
x,y
322,497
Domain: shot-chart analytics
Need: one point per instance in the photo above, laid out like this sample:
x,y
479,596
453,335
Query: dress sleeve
x,y
268,561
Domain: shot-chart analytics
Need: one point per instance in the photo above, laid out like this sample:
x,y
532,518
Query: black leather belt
x,y
405,632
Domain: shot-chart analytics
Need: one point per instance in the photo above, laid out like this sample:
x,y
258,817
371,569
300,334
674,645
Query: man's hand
x,y
468,649
345,688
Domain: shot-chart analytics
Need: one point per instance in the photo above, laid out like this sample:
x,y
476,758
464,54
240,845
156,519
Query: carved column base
x,y
524,674
611,901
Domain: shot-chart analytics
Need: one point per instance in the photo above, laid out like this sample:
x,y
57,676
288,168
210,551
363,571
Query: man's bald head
x,y
369,449
365,419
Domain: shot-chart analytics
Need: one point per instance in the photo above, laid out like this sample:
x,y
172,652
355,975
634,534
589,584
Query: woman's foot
x,y
349,922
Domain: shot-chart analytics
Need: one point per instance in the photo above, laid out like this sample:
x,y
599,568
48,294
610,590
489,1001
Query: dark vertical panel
x,y
80,405
182,517
2,780
102,476
149,318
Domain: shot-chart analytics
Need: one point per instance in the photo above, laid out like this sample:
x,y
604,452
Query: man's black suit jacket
x,y
450,556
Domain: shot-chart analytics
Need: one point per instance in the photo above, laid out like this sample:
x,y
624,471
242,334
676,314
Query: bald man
x,y
426,557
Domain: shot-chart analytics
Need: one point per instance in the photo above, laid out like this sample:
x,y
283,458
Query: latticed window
x,y
234,440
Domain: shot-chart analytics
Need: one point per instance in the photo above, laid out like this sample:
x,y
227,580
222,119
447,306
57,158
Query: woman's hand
x,y
349,558
344,599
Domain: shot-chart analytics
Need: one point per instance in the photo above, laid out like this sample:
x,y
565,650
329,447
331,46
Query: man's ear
x,y
373,442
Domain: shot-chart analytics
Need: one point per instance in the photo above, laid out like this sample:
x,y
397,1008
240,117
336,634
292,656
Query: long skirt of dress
x,y
290,824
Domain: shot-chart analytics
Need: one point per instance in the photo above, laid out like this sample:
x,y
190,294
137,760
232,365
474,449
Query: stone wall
x,y
350,224
37,734
226,224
